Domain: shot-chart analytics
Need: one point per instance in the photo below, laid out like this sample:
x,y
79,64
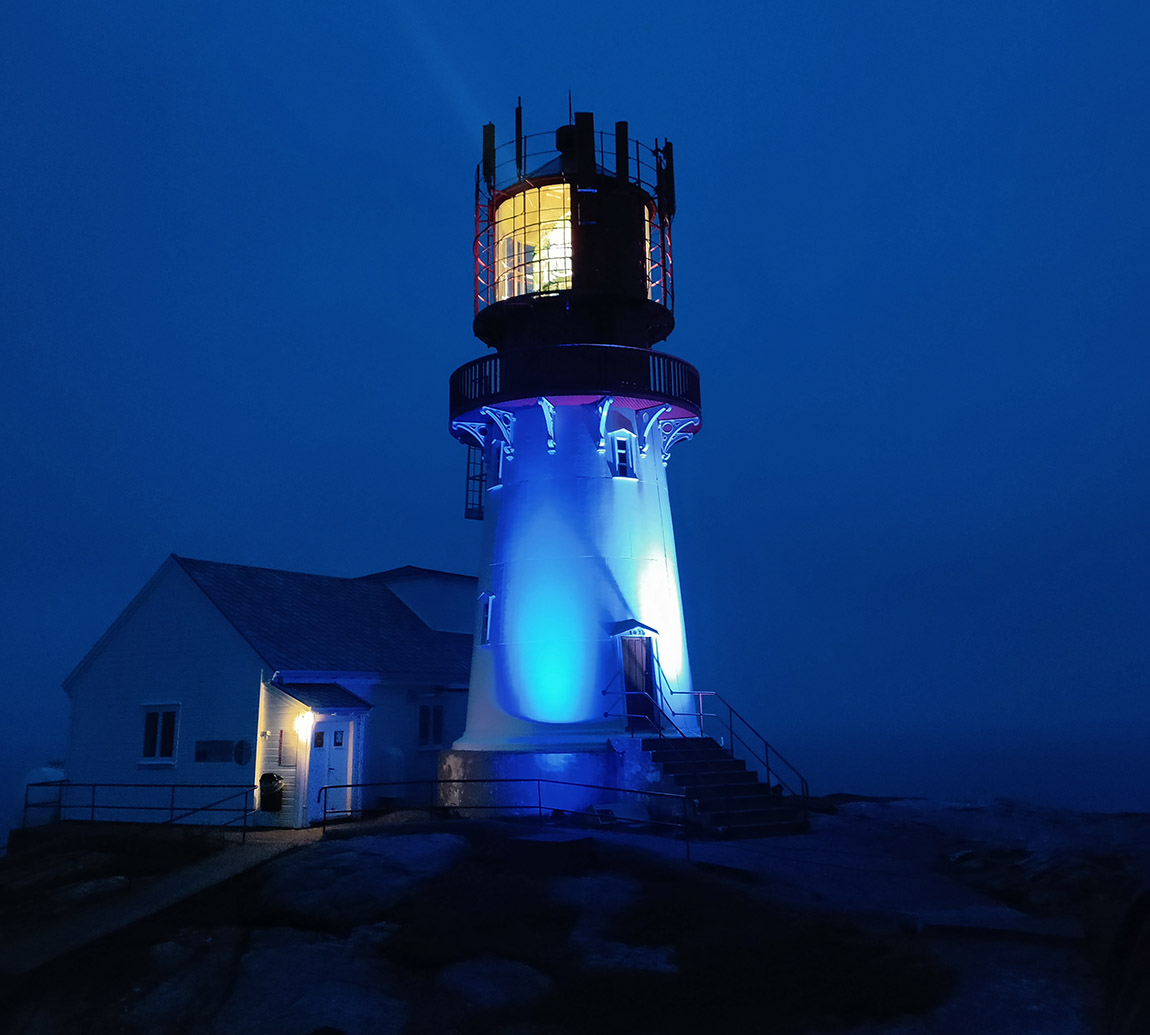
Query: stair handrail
x,y
660,699
669,691
768,750
623,695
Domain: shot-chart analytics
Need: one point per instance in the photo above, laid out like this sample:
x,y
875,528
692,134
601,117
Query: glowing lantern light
x,y
303,724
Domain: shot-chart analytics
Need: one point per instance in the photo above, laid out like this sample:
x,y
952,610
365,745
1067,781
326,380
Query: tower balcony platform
x,y
576,370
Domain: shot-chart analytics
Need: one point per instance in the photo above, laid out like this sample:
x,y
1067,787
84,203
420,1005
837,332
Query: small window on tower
x,y
624,456
486,602
495,468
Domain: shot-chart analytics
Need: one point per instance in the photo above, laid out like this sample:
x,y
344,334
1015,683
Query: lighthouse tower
x,y
579,636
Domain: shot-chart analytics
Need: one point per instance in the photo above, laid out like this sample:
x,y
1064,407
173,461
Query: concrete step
x,y
704,765
740,796
698,783
662,743
736,816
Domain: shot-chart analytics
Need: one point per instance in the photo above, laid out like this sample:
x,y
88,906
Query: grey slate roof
x,y
297,622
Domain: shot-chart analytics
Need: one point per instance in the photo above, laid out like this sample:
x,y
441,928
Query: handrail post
x,y
539,795
323,819
686,829
24,817
172,805
731,728
92,814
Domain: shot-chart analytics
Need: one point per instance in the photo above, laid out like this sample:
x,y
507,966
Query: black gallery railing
x,y
575,370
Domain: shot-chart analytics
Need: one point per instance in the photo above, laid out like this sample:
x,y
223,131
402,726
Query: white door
x,y
329,766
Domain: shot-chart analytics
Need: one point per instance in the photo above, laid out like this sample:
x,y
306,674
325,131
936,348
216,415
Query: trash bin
x,y
271,792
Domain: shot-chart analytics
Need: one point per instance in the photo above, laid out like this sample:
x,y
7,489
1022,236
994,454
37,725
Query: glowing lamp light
x,y
533,241
303,724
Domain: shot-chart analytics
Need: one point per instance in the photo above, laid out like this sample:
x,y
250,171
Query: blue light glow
x,y
543,665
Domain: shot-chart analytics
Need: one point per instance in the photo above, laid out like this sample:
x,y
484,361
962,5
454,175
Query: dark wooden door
x,y
639,684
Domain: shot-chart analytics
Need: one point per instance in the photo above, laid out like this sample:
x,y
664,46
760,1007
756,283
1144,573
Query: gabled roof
x,y
411,571
296,621
444,600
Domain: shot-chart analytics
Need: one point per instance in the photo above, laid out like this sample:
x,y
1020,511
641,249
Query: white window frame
x,y
623,448
156,736
495,468
486,607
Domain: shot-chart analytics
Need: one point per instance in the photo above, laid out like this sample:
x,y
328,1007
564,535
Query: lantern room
x,y
532,231
573,238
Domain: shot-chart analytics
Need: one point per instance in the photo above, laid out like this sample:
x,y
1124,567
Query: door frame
x,y
352,725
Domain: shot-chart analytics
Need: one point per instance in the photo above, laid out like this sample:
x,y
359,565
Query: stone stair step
x,y
704,765
666,743
739,796
733,817
700,782
663,755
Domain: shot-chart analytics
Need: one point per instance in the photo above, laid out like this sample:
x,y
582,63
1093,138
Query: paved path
x,y
28,947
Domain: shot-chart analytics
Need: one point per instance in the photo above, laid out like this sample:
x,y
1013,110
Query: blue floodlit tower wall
x,y
579,624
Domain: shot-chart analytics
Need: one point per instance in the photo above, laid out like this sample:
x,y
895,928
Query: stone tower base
x,y
540,782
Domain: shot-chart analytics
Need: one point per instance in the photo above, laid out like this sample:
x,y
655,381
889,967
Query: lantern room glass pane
x,y
533,242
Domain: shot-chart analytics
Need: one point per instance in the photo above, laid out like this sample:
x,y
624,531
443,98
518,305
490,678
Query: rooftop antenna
x,y
520,149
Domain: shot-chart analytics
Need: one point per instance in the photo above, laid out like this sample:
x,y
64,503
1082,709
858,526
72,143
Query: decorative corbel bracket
x,y
548,408
604,407
476,429
647,420
505,420
676,431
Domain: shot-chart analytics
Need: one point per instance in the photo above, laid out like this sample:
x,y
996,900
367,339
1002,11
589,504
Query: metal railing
x,y
575,370
758,748
661,702
244,811
163,802
542,803
516,163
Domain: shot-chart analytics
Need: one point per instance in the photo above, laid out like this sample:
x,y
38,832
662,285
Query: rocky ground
x,y
889,918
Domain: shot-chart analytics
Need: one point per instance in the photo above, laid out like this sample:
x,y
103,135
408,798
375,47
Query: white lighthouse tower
x,y
579,639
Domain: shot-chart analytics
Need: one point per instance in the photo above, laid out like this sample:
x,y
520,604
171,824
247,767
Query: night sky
x,y
911,267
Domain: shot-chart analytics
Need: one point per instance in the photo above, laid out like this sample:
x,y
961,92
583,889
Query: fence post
x,y
92,814
323,820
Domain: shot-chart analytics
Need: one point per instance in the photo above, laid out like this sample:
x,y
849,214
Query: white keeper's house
x,y
218,679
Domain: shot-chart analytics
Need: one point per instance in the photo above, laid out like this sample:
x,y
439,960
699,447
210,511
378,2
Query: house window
x,y
160,733
486,602
624,456
317,739
430,725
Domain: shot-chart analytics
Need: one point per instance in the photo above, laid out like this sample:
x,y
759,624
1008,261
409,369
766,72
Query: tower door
x,y
329,765
639,684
